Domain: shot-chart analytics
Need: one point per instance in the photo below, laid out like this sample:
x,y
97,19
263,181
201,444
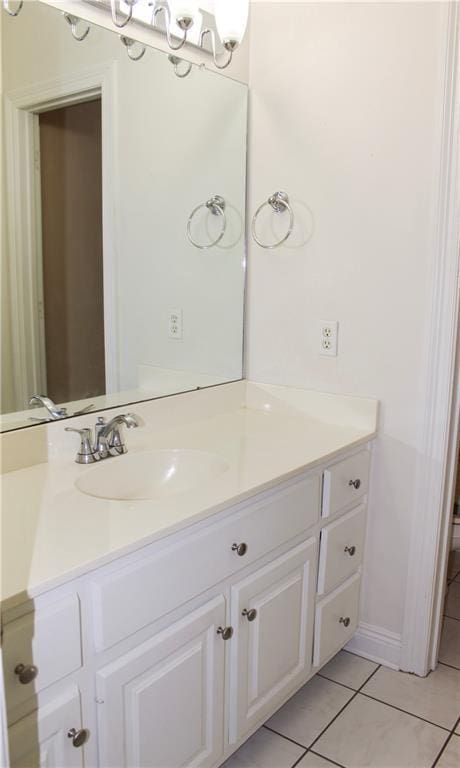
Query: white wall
x,y
345,104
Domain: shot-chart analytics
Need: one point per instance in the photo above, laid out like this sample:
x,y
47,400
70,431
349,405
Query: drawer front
x,y
336,620
41,739
48,639
127,599
341,551
345,482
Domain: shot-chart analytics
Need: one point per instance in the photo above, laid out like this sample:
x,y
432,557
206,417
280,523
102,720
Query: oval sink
x,y
151,475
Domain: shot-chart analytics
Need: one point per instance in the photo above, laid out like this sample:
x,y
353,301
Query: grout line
x,y
399,709
339,765
455,618
348,687
299,758
451,666
288,738
452,733
344,707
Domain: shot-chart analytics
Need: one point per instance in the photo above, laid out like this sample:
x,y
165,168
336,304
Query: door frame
x,y
22,107
430,527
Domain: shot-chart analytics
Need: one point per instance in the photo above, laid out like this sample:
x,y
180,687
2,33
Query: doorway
x,y
70,140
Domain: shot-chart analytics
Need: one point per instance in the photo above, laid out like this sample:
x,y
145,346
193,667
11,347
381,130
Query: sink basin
x,y
151,475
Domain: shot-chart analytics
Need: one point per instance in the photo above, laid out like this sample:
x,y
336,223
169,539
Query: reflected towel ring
x,y
216,205
129,43
10,12
74,21
176,61
279,202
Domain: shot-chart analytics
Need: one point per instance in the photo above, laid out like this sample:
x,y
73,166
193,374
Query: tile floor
x,y
357,714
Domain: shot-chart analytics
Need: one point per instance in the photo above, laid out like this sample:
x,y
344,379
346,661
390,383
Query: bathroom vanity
x,y
163,631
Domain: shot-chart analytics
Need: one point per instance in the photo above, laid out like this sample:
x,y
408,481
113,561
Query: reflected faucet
x,y
55,411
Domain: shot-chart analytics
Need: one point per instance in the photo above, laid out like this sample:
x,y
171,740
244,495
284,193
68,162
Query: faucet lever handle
x,y
86,453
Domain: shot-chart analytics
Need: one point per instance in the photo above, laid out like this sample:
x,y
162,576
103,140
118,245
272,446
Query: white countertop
x,y
51,532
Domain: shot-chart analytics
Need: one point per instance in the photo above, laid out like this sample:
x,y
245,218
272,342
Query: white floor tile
x,y
369,734
450,758
435,697
348,669
452,606
449,651
265,750
315,761
311,709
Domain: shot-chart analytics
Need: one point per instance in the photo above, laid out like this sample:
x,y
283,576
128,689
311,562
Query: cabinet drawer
x,y
341,552
49,639
345,482
336,620
127,599
41,739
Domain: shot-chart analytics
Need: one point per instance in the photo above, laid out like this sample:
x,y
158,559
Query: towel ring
x,y
279,202
74,21
216,205
6,7
129,43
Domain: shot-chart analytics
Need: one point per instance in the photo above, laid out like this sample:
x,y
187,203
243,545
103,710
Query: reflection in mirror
x,y
123,260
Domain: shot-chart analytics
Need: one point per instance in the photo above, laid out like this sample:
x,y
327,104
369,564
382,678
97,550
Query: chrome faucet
x,y
55,411
108,440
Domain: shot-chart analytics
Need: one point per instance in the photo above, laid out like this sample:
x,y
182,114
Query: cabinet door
x,y
272,647
41,740
161,704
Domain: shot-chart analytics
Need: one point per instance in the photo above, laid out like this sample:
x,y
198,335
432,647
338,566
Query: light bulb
x,y
183,12
231,21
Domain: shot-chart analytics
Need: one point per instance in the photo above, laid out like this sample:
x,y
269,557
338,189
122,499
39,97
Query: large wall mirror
x,y
123,255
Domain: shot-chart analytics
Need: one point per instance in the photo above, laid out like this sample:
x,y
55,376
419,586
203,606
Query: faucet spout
x,y
130,420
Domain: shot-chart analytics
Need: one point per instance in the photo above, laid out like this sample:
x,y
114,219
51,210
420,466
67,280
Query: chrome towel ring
x,y
216,205
279,202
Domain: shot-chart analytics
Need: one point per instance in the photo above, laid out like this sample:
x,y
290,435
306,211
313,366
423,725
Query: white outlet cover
x,y
328,338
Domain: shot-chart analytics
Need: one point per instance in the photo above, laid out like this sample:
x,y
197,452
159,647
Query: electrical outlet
x,y
329,331
175,324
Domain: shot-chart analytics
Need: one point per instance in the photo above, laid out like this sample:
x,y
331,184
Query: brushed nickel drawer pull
x,y
240,549
225,632
26,673
355,483
351,550
345,621
250,614
78,737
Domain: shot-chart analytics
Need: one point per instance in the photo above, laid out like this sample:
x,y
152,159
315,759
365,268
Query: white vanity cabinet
x,y
173,655
162,703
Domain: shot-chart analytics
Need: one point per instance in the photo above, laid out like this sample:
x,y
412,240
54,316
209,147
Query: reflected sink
x,y
151,475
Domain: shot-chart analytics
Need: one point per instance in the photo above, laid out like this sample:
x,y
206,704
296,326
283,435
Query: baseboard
x,y
377,644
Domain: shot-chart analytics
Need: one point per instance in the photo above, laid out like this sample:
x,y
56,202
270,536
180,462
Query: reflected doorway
x,y
72,310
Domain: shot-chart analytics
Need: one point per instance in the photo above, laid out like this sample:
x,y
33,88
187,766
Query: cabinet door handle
x,y
26,673
78,737
351,550
225,632
355,483
344,620
240,549
250,614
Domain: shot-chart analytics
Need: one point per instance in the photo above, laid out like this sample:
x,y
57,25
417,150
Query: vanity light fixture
x,y
115,12
12,11
231,22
